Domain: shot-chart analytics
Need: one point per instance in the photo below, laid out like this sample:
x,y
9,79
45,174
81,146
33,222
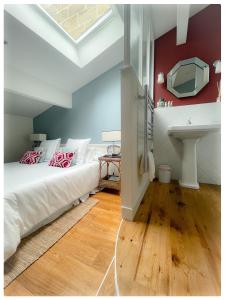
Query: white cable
x,y
106,273
115,275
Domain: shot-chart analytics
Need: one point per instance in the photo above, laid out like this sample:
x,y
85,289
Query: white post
x,y
126,35
189,164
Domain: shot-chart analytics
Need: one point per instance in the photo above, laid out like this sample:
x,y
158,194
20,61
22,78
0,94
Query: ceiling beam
x,y
183,13
24,84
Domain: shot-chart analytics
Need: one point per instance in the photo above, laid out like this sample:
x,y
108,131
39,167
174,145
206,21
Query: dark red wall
x,y
203,41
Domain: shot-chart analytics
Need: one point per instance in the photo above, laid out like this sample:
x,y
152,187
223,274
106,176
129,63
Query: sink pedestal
x,y
189,135
189,164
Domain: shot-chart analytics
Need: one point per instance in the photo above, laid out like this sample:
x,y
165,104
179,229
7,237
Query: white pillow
x,y
93,154
90,155
51,147
67,149
98,153
43,153
81,147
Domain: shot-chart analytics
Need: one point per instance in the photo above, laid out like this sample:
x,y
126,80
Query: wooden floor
x,y
108,285
173,247
77,263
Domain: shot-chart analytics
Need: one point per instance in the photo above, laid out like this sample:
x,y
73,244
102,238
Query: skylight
x,y
78,20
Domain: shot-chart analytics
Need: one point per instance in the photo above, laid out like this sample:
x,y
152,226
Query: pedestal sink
x,y
190,135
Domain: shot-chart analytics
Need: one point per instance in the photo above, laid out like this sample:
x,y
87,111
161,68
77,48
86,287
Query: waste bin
x,y
164,173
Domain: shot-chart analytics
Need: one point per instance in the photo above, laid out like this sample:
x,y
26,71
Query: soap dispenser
x,y
161,102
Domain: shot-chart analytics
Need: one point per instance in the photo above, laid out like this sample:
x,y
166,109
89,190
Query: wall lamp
x,y
37,138
217,66
160,79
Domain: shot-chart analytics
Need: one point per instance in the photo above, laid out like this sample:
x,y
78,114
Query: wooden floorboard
x,y
107,287
77,263
173,247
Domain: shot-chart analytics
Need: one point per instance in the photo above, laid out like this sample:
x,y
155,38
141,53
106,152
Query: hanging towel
x,y
151,166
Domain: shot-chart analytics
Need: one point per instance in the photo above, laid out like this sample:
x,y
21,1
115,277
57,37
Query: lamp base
x,y
36,144
113,150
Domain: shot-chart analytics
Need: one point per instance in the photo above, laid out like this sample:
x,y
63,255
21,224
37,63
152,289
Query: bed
x,y
37,194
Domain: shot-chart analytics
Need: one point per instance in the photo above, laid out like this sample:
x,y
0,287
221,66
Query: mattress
x,y
36,194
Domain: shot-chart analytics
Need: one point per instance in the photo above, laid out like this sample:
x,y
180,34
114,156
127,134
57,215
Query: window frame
x,y
97,25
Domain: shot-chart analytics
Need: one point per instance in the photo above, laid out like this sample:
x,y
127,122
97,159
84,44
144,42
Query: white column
x,y
189,164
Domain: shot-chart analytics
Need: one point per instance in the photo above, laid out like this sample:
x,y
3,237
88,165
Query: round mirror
x,y
188,77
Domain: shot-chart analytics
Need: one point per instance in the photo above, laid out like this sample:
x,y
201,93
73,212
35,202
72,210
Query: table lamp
x,y
37,138
112,136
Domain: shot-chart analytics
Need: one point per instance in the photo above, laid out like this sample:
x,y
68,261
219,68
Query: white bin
x,y
164,173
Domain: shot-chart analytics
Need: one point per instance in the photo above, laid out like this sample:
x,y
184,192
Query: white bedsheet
x,y
35,192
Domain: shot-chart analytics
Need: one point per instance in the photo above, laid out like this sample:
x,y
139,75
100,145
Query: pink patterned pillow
x,y
62,159
31,157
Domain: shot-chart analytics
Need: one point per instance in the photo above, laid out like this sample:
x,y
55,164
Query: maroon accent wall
x,y
203,41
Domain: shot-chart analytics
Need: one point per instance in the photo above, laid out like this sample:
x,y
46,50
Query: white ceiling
x,y
164,16
28,52
20,105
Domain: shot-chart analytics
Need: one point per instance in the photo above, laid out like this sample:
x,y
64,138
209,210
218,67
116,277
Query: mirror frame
x,y
198,62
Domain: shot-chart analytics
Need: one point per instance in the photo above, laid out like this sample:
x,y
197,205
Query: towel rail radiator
x,y
148,127
149,114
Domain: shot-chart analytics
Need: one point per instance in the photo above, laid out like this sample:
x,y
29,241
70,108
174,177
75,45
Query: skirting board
x,y
128,213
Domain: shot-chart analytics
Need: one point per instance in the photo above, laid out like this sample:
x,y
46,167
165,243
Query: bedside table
x,y
109,181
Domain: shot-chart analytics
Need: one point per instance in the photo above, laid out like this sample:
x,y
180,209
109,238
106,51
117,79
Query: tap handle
x,y
189,121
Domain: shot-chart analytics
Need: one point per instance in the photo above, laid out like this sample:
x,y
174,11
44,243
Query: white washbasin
x,y
190,135
191,131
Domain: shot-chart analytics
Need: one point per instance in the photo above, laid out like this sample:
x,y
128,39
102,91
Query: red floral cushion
x,y
62,159
31,157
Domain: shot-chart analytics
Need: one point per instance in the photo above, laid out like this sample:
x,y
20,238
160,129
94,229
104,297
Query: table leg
x,y
107,168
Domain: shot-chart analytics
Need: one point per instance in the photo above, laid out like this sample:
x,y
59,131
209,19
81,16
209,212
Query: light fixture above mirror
x,y
217,66
160,79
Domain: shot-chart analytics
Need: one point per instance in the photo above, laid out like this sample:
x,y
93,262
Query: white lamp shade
x,y
38,137
217,65
111,136
160,79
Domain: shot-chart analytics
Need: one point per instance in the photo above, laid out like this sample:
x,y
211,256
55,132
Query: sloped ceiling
x,y
28,52
33,56
20,105
164,16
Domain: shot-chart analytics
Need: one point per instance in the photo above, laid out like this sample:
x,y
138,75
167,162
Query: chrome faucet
x,y
189,121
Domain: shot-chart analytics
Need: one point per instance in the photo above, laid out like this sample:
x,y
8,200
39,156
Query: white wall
x,y
137,36
168,150
16,136
133,184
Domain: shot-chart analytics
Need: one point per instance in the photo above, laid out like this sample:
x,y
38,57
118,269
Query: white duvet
x,y
33,193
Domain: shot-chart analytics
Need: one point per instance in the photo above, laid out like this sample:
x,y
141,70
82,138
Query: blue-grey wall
x,y
96,107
